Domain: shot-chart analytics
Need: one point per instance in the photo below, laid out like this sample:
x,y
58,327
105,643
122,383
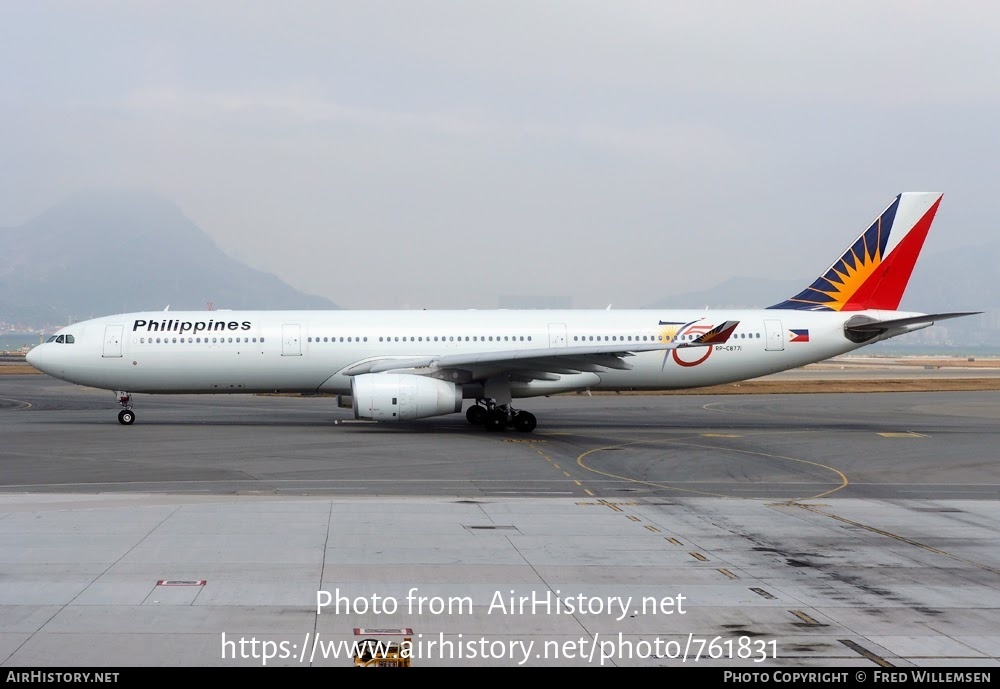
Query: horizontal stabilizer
x,y
863,329
873,326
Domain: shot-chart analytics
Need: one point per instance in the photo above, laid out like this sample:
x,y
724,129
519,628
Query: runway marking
x,y
250,485
858,648
674,541
941,489
588,492
568,474
530,492
711,406
668,441
22,403
698,556
763,594
652,528
604,503
634,518
903,434
805,618
897,537
720,435
729,574
577,482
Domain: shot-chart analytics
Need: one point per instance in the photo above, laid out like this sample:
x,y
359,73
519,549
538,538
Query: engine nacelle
x,y
402,396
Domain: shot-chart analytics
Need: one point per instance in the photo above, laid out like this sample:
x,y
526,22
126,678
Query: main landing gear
x,y
126,417
497,417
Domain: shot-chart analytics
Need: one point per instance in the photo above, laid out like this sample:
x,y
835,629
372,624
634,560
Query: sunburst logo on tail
x,y
874,270
844,280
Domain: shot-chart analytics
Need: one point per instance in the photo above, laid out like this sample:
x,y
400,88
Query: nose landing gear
x,y
126,416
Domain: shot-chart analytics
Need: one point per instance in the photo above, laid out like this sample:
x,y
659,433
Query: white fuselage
x,y
308,351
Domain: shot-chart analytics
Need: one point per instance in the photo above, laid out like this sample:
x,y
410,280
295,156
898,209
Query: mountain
x,y
106,252
959,279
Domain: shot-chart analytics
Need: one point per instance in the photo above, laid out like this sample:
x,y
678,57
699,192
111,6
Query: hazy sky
x,y
438,154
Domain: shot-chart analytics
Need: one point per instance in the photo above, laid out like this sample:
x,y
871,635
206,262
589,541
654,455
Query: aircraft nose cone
x,y
35,358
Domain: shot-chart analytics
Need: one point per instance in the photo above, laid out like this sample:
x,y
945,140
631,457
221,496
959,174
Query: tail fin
x,y
873,272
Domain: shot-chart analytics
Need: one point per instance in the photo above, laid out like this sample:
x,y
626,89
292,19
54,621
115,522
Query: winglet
x,y
716,335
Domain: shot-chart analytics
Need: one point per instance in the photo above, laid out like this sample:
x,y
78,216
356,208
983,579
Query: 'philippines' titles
x,y
177,326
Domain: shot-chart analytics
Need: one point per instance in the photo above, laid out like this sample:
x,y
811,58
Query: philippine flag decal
x,y
798,335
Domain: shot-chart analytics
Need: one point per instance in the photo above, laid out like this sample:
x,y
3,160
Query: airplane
x,y
404,365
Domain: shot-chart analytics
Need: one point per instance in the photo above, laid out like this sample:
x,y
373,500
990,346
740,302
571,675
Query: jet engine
x,y
402,396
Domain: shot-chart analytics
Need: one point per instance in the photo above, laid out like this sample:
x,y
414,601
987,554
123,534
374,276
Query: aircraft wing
x,y
544,363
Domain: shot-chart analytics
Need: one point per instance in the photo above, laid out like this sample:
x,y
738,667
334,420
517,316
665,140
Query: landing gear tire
x,y
476,415
126,417
525,422
496,420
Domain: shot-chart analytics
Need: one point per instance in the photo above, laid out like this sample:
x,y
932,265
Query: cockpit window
x,y
52,338
60,339
70,339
